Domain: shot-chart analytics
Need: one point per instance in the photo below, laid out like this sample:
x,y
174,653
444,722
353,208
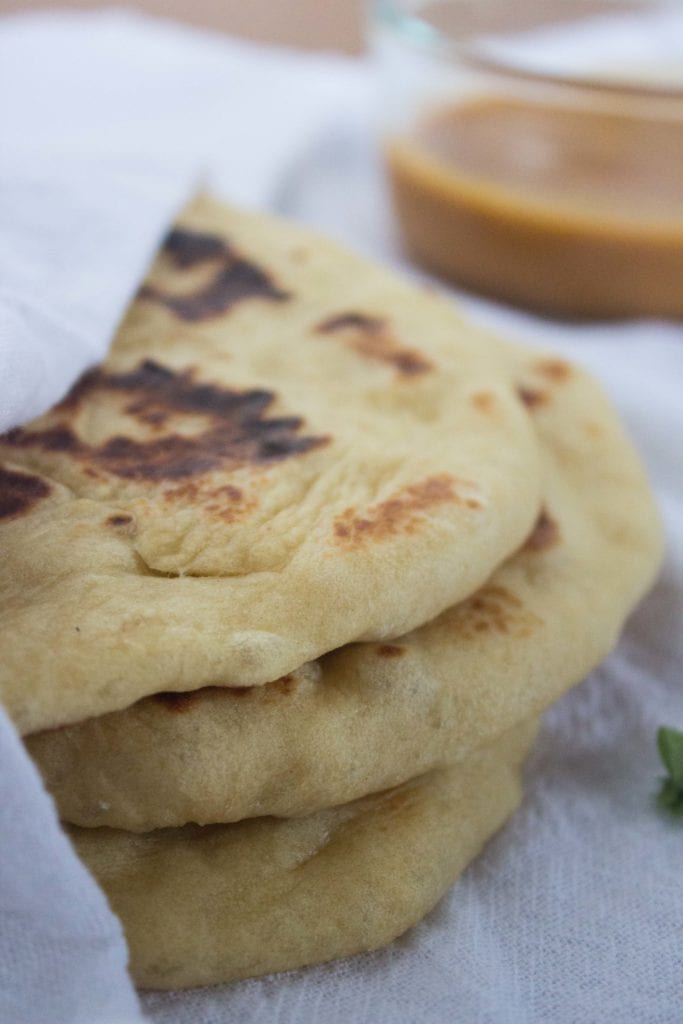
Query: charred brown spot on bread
x,y
233,277
484,401
354,321
152,417
226,503
19,492
51,439
594,429
556,370
545,534
186,700
230,492
391,651
188,248
285,685
532,398
401,513
493,609
121,521
370,336
234,429
232,284
178,702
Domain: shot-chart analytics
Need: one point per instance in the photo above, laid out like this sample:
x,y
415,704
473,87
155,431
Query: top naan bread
x,y
369,716
288,449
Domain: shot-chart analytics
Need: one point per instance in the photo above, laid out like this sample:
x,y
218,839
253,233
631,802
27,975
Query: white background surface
x,y
573,913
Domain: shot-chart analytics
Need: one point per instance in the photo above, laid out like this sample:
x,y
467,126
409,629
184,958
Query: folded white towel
x,y
108,122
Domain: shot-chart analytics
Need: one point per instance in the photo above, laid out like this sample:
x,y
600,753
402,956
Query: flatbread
x,y
371,715
288,449
205,905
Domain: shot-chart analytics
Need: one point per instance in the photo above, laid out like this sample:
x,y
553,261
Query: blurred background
x,y
532,150
312,24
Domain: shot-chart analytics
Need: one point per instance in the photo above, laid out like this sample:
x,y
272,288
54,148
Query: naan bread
x,y
288,449
371,715
205,905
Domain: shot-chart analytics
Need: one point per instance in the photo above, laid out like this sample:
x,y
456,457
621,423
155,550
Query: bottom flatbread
x,y
201,905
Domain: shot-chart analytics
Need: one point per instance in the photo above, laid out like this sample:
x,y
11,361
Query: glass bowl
x,y
534,150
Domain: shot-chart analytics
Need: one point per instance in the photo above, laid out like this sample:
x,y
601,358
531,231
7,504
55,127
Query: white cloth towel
x,y
573,914
107,124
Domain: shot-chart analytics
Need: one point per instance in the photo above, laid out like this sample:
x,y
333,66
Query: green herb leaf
x,y
670,744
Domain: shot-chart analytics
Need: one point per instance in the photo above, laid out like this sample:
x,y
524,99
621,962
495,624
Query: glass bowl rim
x,y
419,34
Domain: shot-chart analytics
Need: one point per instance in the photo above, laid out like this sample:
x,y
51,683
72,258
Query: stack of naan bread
x,y
286,584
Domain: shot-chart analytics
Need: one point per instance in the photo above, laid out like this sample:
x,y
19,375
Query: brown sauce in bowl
x,y
562,210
